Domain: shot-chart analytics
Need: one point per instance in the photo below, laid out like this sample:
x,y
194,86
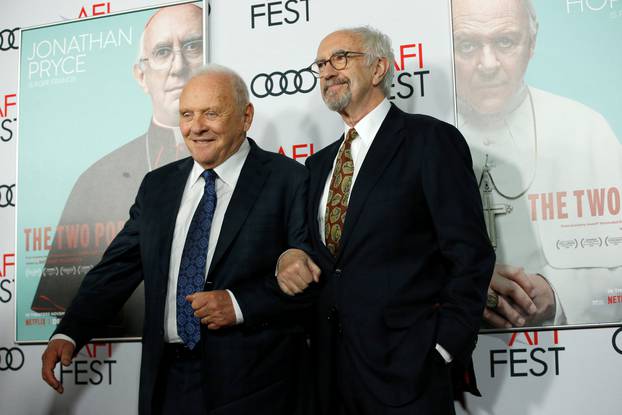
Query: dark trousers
x,y
179,387
355,398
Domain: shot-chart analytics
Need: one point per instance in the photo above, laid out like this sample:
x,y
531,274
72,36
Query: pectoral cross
x,y
491,210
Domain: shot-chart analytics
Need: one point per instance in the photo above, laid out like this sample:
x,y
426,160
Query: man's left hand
x,y
544,299
214,308
295,270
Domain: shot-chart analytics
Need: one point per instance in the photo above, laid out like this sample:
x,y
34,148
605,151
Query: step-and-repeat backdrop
x,y
533,86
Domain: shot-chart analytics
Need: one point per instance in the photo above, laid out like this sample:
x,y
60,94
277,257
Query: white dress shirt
x,y
367,128
227,177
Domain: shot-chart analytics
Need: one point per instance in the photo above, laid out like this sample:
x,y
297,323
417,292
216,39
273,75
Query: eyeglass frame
x,y
174,51
342,53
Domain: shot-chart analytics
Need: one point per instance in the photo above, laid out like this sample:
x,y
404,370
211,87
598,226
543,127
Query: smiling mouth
x,y
202,141
334,86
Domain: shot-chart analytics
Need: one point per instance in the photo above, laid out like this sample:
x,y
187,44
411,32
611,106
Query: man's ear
x,y
249,112
139,75
380,70
532,46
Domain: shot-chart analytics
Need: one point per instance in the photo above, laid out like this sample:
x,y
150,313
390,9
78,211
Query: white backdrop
x,y
575,372
268,52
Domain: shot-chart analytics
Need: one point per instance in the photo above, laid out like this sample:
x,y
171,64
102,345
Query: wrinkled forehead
x,y
208,90
172,25
337,42
482,16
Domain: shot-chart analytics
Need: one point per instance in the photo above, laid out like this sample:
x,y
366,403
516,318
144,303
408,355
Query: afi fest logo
x,y
278,13
92,366
97,9
410,74
298,151
289,82
6,281
11,358
525,356
7,119
9,39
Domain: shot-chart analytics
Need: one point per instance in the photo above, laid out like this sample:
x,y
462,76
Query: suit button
x,y
338,272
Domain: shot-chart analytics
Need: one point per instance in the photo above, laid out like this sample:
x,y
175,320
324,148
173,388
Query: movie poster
x,y
543,118
98,110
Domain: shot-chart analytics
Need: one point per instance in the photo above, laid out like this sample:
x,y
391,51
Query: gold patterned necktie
x,y
339,194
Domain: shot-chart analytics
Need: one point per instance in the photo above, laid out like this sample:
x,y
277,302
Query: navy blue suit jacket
x,y
414,264
249,368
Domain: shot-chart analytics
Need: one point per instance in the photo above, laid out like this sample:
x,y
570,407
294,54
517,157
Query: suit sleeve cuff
x,y
444,353
239,317
560,316
63,337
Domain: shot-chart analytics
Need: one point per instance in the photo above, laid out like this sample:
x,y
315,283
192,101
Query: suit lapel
x,y
173,185
385,145
317,188
250,183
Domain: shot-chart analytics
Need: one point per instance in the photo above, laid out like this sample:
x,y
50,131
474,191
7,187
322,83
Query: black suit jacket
x,y
250,368
414,264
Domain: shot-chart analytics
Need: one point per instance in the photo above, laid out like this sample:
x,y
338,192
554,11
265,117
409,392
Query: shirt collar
x,y
368,126
229,170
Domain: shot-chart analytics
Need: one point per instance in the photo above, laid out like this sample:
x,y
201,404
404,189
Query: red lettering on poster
x,y
97,9
9,101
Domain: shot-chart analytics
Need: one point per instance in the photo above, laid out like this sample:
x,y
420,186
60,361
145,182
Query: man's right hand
x,y
515,304
295,270
57,350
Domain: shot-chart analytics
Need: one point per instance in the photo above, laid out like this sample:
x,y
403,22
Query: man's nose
x,y
198,125
488,62
178,64
328,71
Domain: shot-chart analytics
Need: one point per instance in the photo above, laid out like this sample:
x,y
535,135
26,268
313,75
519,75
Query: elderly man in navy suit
x,y
204,235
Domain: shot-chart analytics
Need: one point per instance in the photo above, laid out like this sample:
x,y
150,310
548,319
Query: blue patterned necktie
x,y
192,268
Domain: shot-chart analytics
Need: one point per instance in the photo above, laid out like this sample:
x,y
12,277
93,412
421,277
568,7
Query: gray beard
x,y
338,103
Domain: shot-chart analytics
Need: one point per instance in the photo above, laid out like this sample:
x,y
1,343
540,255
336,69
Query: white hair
x,y
376,45
240,89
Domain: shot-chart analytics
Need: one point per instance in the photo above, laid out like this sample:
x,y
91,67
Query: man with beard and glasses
x,y
398,232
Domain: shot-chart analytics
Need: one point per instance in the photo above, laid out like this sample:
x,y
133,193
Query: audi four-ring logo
x,y
6,195
8,39
614,341
279,83
11,358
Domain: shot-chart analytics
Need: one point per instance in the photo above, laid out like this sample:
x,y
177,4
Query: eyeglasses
x,y
338,60
161,57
